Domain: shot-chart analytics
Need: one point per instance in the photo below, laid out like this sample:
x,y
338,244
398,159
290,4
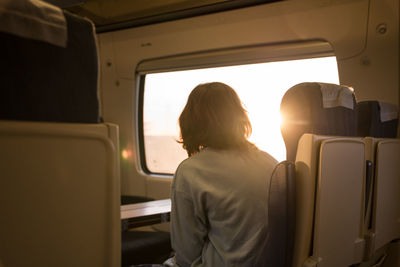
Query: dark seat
x,y
377,119
143,247
45,79
318,108
378,122
45,82
127,199
65,186
321,119
281,216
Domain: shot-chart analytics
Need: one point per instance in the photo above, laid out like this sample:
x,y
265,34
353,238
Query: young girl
x,y
219,213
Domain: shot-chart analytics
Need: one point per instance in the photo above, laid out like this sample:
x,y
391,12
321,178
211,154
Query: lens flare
x,y
126,154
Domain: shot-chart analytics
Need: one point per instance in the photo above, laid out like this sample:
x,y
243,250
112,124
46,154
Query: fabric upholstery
x,y
140,247
34,19
371,124
281,216
303,112
125,199
44,82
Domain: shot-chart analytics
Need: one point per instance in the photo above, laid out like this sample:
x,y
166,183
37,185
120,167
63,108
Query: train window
x,y
260,75
260,87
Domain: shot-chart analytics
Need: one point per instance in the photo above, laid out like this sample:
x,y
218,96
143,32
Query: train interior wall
x,y
364,35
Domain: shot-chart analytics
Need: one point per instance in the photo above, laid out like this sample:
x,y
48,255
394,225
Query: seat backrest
x,y
329,199
59,194
317,108
43,81
323,111
384,153
59,186
377,119
281,215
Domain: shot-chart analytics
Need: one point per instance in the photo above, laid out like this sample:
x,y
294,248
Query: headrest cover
x,y
33,19
388,111
334,95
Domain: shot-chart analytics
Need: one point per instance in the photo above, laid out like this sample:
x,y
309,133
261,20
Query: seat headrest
x,y
46,82
377,119
34,19
334,95
388,111
317,108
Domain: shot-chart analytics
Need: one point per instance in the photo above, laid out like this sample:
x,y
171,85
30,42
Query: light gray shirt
x,y
219,213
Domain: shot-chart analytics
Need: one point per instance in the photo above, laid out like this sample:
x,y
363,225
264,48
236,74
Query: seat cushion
x,y
140,247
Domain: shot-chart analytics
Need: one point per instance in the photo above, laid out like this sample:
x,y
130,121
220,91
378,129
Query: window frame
x,y
218,58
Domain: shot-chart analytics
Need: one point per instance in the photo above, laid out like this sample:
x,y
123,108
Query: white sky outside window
x,y
259,86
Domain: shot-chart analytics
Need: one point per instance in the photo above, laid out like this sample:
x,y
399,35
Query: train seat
x,y
386,200
281,216
59,186
59,194
330,172
377,119
330,176
319,108
143,246
53,74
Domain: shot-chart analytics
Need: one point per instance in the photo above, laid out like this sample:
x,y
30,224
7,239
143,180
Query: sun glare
x,y
259,86
126,153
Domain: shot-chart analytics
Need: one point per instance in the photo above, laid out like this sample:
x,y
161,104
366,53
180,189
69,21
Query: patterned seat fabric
x,y
377,119
45,82
317,108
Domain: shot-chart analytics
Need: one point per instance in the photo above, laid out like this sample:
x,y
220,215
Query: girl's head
x,y
214,117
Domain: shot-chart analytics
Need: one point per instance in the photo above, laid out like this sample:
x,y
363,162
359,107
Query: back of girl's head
x,y
214,117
